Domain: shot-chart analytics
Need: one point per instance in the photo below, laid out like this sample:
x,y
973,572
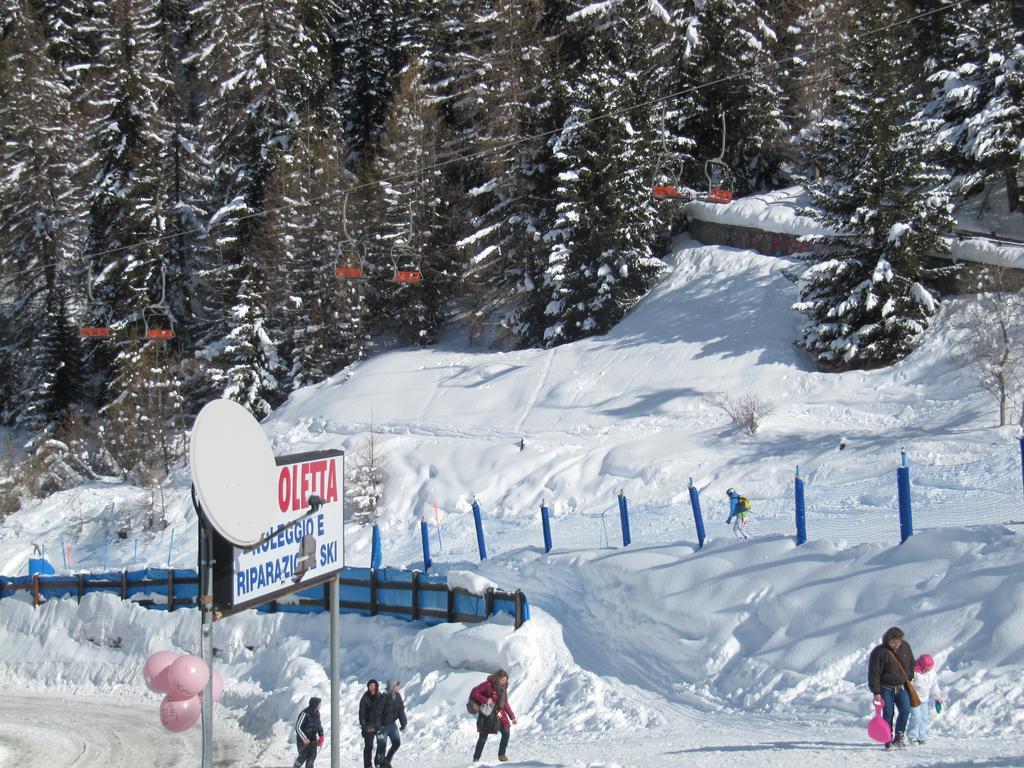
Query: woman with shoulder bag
x,y
496,715
890,676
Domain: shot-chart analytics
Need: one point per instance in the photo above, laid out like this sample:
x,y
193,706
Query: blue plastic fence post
x,y
106,549
545,521
376,551
1021,439
425,538
479,530
135,557
698,518
801,509
64,552
903,491
624,518
170,548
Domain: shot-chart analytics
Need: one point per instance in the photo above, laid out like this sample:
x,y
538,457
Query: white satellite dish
x,y
234,472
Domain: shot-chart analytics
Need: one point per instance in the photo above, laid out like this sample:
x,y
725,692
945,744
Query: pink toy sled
x,y
878,729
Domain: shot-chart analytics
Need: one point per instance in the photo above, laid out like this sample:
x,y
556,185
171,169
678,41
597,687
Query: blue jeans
x,y
902,702
390,732
919,717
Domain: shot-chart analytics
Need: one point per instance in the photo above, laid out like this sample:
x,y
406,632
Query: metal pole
x,y
206,640
335,674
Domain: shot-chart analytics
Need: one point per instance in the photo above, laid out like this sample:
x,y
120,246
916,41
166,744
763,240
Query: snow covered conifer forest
x,y
205,169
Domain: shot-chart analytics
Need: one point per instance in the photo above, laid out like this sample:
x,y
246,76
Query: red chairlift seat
x,y
407,276
159,334
349,273
94,332
719,195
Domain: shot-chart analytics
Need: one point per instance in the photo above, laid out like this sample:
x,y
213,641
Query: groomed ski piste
x,y
661,653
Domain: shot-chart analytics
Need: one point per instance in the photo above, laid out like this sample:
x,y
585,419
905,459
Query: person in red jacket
x,y
496,716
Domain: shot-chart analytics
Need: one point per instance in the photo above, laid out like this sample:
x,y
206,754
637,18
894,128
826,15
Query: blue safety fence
x,y
867,510
395,592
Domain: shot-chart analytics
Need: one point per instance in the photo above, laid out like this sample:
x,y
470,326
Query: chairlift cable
x,y
767,67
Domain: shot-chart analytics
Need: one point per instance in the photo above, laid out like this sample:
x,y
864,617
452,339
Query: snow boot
x,y
503,758
900,742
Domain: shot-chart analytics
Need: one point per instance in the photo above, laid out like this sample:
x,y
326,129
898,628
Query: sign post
x,y
206,638
255,544
335,673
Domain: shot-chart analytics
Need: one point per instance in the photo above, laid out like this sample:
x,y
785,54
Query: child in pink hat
x,y
926,683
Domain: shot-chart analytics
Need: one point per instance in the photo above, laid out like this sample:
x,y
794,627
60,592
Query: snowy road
x,y
59,731
103,732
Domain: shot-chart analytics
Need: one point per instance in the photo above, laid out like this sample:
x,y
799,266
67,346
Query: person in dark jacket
x,y
393,712
371,709
890,668
492,695
309,734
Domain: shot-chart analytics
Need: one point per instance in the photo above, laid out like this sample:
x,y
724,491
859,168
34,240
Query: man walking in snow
x,y
392,721
309,734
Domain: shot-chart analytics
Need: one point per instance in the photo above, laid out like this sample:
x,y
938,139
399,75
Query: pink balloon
x,y
177,715
187,676
155,670
218,686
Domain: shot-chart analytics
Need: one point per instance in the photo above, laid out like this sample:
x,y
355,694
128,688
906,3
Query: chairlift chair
x,y
92,331
157,317
351,262
401,253
665,183
719,175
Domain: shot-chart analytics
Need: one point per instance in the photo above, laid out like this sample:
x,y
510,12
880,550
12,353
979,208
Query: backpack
x,y
742,506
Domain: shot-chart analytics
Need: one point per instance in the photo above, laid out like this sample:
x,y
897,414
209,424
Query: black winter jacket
x,y
308,724
884,672
394,709
371,711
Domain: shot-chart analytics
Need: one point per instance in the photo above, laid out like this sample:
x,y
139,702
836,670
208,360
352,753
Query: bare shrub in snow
x,y
746,412
366,478
990,343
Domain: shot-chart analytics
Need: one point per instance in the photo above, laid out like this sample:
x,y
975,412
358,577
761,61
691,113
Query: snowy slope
x,y
657,643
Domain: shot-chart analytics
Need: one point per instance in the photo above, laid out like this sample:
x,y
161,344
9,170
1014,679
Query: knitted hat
x,y
371,681
314,701
924,663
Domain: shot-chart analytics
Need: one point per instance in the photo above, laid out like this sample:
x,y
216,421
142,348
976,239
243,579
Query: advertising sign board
x,y
298,550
